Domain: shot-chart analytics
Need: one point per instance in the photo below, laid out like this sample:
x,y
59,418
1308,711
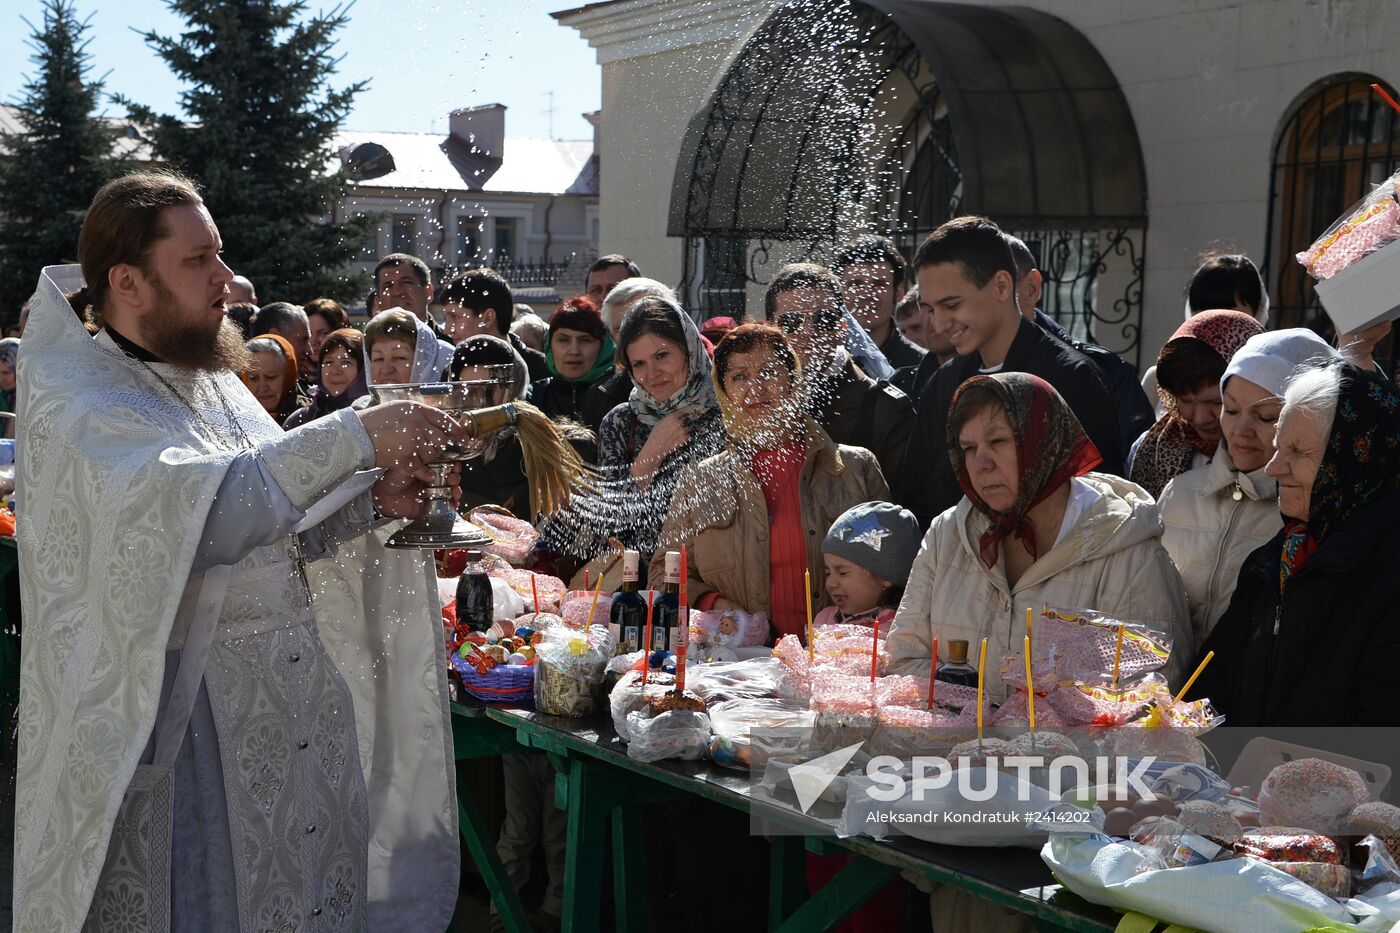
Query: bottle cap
x,y
630,562
957,651
474,557
673,566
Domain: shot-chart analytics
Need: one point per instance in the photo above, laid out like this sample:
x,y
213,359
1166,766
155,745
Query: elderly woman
x,y
579,354
271,375
755,514
1313,630
401,348
1188,378
9,357
340,377
1036,528
1216,514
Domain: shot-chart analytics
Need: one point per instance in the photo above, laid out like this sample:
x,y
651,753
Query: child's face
x,y
851,587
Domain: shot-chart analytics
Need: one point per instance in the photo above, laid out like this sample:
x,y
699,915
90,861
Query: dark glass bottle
x,y
666,611
628,619
956,670
474,605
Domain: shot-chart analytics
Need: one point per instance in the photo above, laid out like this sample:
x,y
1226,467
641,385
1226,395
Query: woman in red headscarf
x,y
1035,528
1188,381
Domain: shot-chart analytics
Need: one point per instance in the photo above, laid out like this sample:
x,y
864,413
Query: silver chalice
x,y
480,405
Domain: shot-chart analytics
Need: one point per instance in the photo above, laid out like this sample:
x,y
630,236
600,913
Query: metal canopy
x,y
1043,133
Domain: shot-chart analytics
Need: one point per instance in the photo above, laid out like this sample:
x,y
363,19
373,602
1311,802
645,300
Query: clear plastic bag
x,y
569,668
674,734
735,680
749,732
729,628
627,696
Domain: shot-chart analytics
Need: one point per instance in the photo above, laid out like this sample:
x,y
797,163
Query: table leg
x,y
840,897
787,878
483,851
583,863
629,868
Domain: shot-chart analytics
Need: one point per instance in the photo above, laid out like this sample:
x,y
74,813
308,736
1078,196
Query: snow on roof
x,y
445,163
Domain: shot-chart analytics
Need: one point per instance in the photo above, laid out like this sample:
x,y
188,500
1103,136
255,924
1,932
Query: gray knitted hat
x,y
879,536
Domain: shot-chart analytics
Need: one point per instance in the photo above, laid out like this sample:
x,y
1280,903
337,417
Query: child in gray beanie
x,y
868,552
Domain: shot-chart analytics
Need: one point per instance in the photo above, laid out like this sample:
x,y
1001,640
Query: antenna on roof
x,y
550,110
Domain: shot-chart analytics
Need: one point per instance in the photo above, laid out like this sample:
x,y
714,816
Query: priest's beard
x,y
167,334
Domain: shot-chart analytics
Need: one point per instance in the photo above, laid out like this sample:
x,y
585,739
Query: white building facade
x,y
1121,138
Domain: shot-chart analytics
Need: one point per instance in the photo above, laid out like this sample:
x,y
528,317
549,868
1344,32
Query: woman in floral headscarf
x,y
1188,380
9,356
1313,629
1035,528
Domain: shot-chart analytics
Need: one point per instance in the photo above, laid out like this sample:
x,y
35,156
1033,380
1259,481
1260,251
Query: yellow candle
x,y
594,608
1192,680
811,633
1030,684
981,666
1030,615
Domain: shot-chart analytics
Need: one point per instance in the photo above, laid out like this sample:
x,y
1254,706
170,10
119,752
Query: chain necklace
x,y
215,439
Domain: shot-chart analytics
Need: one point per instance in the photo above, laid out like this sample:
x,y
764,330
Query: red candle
x,y
875,654
933,672
586,587
685,625
534,591
646,648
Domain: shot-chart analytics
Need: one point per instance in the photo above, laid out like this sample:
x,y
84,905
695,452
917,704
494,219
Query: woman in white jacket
x,y
1035,528
1216,514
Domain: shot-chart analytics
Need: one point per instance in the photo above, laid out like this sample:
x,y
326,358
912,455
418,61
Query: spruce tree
x,y
51,168
259,121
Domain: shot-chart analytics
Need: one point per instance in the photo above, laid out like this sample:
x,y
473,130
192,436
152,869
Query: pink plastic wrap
x,y
513,538
1372,222
577,607
1079,645
551,589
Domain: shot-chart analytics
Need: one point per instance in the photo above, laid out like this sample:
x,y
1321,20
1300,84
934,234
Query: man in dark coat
x,y
1121,378
968,277
483,298
806,301
872,274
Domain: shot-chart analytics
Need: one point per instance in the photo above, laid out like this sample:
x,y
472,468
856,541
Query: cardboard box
x,y
1365,292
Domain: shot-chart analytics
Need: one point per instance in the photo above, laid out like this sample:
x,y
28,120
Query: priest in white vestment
x,y
202,589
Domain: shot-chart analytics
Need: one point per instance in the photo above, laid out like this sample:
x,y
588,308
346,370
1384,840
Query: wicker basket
x,y
504,683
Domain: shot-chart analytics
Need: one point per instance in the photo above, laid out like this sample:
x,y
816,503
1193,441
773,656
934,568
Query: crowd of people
x,y
1039,467
917,438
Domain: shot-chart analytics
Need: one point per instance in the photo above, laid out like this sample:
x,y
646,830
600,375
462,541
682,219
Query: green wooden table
x,y
601,788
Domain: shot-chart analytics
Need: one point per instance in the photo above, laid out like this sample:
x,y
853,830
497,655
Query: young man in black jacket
x,y
967,276
479,301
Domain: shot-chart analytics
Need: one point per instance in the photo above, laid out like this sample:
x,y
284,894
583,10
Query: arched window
x,y
1338,142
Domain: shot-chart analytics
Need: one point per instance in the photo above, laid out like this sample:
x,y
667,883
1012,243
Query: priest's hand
x,y
407,436
399,494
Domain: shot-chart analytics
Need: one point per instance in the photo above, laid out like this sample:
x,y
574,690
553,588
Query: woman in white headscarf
x,y
1216,514
401,348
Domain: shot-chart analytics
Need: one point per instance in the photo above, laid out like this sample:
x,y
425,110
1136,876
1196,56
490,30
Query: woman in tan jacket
x,y
754,515
1035,528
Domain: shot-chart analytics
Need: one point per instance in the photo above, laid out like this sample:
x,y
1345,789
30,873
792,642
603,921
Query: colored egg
x,y
525,632
517,660
527,653
498,654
